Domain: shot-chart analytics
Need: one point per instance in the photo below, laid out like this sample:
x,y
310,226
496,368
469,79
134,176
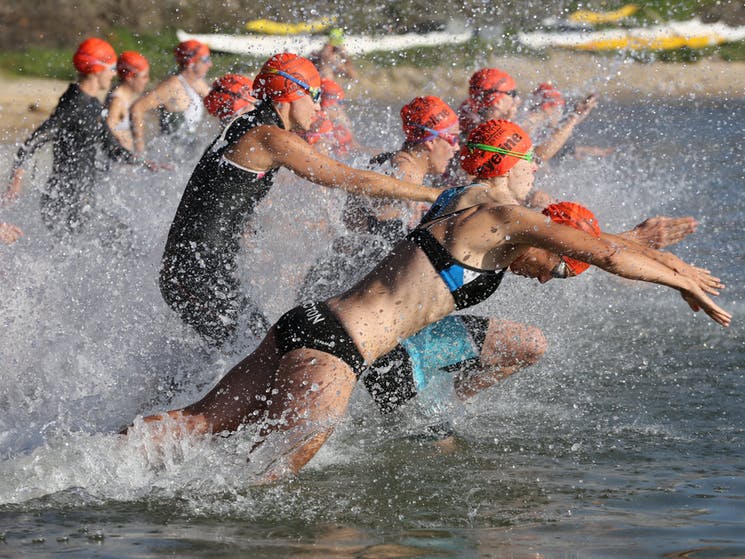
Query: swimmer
x,y
230,96
178,97
133,70
331,131
333,61
297,384
478,350
9,233
235,173
493,95
477,347
77,130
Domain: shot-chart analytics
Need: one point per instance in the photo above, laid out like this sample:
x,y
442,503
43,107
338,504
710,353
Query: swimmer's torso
x,y
77,129
220,196
406,291
186,120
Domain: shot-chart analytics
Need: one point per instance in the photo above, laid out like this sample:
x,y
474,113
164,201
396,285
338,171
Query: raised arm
x,y
554,143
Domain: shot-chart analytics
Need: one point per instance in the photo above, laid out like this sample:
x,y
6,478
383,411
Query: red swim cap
x,y
426,112
488,85
93,55
187,51
546,96
229,94
331,93
579,217
130,64
269,84
501,134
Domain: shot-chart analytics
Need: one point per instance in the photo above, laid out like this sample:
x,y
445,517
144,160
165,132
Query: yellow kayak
x,y
269,27
672,35
594,18
653,43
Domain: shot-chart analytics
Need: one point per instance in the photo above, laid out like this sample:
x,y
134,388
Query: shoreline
x,y
26,102
609,77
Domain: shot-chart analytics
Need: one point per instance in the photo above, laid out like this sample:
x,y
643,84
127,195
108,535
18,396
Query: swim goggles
x,y
110,67
561,270
451,139
487,92
313,92
529,156
241,94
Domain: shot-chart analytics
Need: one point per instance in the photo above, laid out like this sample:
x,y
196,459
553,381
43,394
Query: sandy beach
x,y
25,102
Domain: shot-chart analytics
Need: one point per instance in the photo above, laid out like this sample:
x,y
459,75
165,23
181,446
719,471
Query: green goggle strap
x,y
526,156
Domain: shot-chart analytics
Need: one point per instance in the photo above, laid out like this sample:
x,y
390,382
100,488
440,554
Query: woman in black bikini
x,y
297,383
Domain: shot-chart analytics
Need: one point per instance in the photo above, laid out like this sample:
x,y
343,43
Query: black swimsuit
x,y
469,286
197,276
314,326
77,129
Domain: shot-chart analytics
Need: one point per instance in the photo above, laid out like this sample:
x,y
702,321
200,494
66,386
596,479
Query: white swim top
x,y
194,112
124,125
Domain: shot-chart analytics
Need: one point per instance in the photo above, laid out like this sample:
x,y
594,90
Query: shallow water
x,y
625,440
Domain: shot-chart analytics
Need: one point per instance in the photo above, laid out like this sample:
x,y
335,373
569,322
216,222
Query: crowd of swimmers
x,y
431,228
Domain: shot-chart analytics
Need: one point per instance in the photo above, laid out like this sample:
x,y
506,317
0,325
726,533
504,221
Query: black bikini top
x,y
468,285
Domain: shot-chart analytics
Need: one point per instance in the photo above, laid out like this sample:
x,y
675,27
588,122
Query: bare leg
x,y
240,397
310,396
508,347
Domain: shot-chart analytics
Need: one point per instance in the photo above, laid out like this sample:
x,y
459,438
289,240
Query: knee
x,y
533,344
516,343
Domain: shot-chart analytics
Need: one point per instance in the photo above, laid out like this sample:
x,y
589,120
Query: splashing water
x,y
635,392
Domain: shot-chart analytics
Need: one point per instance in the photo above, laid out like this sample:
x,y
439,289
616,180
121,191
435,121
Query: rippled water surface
x,y
626,440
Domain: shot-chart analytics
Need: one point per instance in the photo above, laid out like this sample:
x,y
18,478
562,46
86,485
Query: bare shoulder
x,y
274,136
474,195
202,87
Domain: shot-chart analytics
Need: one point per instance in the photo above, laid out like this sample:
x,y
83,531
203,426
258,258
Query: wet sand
x,y
26,102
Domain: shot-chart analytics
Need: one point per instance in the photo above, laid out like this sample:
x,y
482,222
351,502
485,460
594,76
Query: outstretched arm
x,y
528,228
43,134
291,151
701,276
